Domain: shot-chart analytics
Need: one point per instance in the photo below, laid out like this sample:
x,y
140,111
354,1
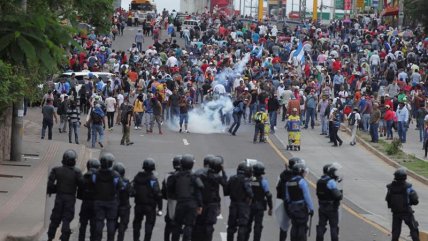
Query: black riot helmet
x,y
332,172
244,169
93,164
293,161
187,161
299,169
215,165
258,169
325,169
149,165
107,160
119,168
221,159
69,158
400,174
208,159
176,162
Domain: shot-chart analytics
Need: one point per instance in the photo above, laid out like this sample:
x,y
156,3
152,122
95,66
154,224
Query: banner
x,y
348,5
338,4
360,3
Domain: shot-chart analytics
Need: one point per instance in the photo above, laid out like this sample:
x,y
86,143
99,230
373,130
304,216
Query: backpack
x,y
352,120
96,118
258,117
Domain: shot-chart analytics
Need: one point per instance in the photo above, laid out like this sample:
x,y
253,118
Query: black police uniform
x,y
147,197
284,177
171,203
63,181
400,198
87,214
107,185
186,187
239,189
204,228
329,201
124,209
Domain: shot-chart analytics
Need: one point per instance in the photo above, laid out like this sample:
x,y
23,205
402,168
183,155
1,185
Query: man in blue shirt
x,y
311,104
338,81
238,110
329,197
299,203
402,118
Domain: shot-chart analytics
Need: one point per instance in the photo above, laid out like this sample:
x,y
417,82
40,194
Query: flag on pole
x,y
299,54
260,53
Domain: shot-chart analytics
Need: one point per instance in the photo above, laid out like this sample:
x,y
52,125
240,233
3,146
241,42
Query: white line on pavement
x,y
223,236
185,142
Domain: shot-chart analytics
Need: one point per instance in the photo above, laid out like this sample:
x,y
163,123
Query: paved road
x,y
234,149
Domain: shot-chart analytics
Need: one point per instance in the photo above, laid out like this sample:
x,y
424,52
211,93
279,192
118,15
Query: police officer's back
x,y
86,194
239,190
147,196
329,197
186,188
400,197
124,204
107,186
261,200
212,180
63,181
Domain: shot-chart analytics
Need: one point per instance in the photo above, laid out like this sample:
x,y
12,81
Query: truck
x,y
140,10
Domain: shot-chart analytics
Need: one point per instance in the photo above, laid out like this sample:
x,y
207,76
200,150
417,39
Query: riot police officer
x,y
299,203
147,196
239,190
329,197
86,194
63,181
284,177
187,189
400,197
212,180
124,208
107,183
171,200
262,199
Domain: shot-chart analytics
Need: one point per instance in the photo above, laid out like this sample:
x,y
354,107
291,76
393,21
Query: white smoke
x,y
206,118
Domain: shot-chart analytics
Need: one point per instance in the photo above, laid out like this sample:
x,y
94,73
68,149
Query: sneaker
x,y
122,143
101,144
187,131
136,128
179,130
139,128
129,143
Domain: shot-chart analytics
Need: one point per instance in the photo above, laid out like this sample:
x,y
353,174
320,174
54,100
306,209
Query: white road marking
x,y
141,135
220,216
223,236
185,142
31,157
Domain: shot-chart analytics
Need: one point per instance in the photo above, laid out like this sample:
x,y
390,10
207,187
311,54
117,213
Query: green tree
x,y
415,11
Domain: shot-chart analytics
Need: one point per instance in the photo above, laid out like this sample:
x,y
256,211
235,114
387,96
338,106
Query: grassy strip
x,y
409,161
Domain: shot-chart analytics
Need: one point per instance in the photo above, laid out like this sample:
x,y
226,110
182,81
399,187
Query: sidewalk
x,y
365,175
23,184
412,145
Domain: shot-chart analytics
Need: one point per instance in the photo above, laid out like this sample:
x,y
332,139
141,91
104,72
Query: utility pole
x,y
400,14
260,10
315,11
18,119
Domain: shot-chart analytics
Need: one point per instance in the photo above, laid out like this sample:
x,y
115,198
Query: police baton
x,y
310,226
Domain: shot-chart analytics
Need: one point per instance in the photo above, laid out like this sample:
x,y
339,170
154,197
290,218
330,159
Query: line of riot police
x,y
194,200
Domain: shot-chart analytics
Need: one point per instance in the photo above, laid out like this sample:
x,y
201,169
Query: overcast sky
x,y
160,4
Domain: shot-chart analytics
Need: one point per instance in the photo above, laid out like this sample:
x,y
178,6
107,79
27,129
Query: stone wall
x,y
5,133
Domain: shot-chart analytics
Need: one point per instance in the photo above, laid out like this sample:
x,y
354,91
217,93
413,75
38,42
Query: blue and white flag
x,y
260,53
299,54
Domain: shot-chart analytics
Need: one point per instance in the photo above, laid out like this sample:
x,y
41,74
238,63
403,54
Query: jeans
x,y
110,119
253,110
97,129
105,210
420,126
374,131
63,123
324,125
259,128
74,127
402,129
149,120
310,113
47,124
236,123
139,46
272,120
126,130
175,113
354,133
389,132
366,124
138,118
184,118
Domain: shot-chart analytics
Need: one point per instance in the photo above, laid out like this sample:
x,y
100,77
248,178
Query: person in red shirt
x,y
388,101
337,65
389,119
204,66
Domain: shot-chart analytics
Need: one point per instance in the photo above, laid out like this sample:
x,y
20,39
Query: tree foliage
x,y
415,11
12,85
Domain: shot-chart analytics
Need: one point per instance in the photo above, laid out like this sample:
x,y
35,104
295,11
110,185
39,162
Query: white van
x,y
191,23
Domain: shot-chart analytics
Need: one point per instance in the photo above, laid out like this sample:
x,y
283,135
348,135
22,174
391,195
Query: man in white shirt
x,y
111,108
120,98
374,62
172,61
354,118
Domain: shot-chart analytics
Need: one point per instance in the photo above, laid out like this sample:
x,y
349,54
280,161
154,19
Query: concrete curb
x,y
385,158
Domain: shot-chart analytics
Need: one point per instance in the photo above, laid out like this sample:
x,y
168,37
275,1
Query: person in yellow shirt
x,y
260,118
293,128
138,111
